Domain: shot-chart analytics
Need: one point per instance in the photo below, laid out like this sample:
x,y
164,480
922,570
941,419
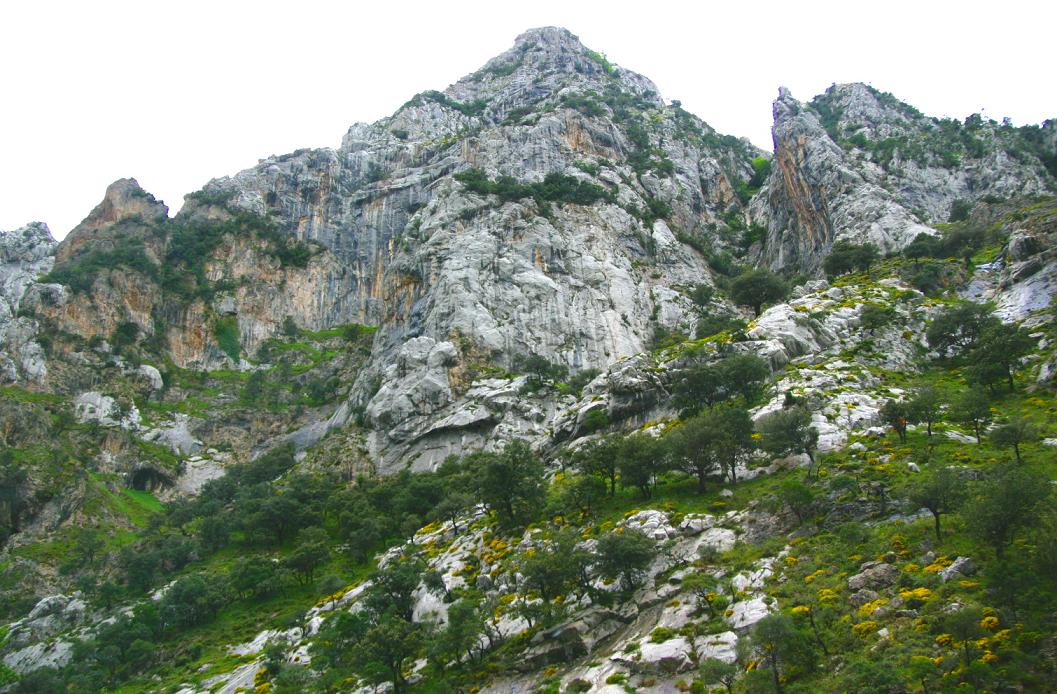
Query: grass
x,y
23,395
145,500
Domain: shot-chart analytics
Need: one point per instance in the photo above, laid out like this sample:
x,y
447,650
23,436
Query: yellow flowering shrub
x,y
827,595
989,623
915,594
940,564
868,609
801,609
864,628
944,639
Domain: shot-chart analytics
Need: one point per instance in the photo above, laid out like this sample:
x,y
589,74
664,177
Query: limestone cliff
x,y
857,165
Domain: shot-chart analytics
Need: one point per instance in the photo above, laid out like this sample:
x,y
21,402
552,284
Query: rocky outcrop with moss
x,y
858,165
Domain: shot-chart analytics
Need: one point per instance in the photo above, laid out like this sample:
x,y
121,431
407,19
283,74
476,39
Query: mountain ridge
x,y
523,319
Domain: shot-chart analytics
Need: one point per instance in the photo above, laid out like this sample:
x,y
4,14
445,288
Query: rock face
x,y
857,165
124,200
25,254
549,205
428,257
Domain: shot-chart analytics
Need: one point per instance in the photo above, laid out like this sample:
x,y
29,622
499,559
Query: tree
x,y
737,428
700,385
716,670
705,588
973,408
578,493
845,257
896,414
254,576
788,431
1004,505
1013,433
454,504
940,491
376,646
462,633
875,316
715,439
925,406
393,586
639,461
706,385
798,497
701,294
511,483
192,600
958,327
997,353
600,458
290,328
755,288
964,628
549,571
213,532
781,647
626,555
541,369
310,554
743,374
694,448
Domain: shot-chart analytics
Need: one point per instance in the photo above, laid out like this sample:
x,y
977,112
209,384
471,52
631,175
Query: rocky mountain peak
x,y
553,39
785,106
124,199
26,244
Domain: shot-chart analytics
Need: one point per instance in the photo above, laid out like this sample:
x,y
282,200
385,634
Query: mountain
x,y
857,164
489,343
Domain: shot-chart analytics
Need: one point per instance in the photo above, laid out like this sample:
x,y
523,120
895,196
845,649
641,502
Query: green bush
x,y
662,634
555,187
80,272
226,331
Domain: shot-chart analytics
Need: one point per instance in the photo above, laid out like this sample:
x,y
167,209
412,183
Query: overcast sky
x,y
176,93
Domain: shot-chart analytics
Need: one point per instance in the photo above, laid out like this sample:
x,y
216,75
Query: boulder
x,y
721,646
863,596
873,575
960,568
745,613
667,658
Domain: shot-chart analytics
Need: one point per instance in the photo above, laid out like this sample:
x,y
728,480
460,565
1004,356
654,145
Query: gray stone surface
x,y
821,191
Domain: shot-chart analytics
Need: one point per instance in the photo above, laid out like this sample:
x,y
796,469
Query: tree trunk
x,y
774,673
936,521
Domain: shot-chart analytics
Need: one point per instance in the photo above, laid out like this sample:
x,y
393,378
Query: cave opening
x,y
148,480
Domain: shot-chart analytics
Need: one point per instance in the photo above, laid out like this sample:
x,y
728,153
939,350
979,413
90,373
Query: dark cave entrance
x,y
148,479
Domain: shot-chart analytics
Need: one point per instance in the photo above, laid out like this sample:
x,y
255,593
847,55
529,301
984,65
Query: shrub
x,y
80,272
960,210
226,331
593,421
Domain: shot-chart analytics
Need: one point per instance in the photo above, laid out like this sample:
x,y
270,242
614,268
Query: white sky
x,y
176,93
